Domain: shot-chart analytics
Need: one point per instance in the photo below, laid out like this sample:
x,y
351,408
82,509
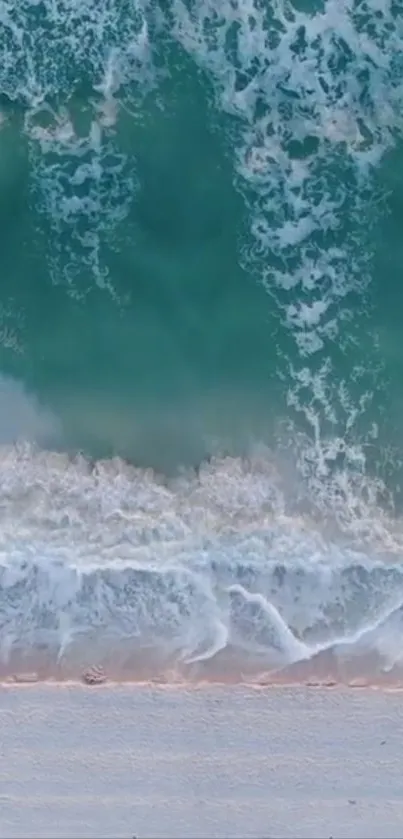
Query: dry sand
x,y
119,761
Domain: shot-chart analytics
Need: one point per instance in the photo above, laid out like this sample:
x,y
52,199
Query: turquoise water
x,y
200,215
200,221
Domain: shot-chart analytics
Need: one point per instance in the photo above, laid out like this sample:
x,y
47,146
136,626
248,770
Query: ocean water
x,y
201,372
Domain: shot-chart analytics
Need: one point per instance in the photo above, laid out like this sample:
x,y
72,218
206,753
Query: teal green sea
x,y
201,307
200,222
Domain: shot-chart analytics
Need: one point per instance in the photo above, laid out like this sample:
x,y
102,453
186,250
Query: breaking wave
x,y
206,575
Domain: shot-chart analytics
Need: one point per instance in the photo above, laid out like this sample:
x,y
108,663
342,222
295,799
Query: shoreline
x,y
328,668
31,680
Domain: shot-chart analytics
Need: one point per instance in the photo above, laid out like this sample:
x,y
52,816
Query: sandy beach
x,y
124,761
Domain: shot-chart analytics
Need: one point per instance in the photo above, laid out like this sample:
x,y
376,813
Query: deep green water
x,y
222,256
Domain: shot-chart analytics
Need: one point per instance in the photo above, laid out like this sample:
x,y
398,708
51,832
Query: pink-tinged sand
x,y
344,667
125,760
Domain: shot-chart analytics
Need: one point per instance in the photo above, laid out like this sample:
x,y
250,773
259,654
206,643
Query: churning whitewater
x,y
200,208
206,575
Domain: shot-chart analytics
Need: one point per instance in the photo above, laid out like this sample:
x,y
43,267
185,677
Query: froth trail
x,y
207,575
317,99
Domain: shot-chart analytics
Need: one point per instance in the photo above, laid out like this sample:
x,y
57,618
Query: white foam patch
x,y
81,183
317,98
106,42
84,189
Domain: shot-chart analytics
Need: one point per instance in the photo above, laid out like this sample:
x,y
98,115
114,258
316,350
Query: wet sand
x,y
124,761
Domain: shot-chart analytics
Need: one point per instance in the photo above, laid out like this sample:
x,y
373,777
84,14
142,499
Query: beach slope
x,y
124,761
